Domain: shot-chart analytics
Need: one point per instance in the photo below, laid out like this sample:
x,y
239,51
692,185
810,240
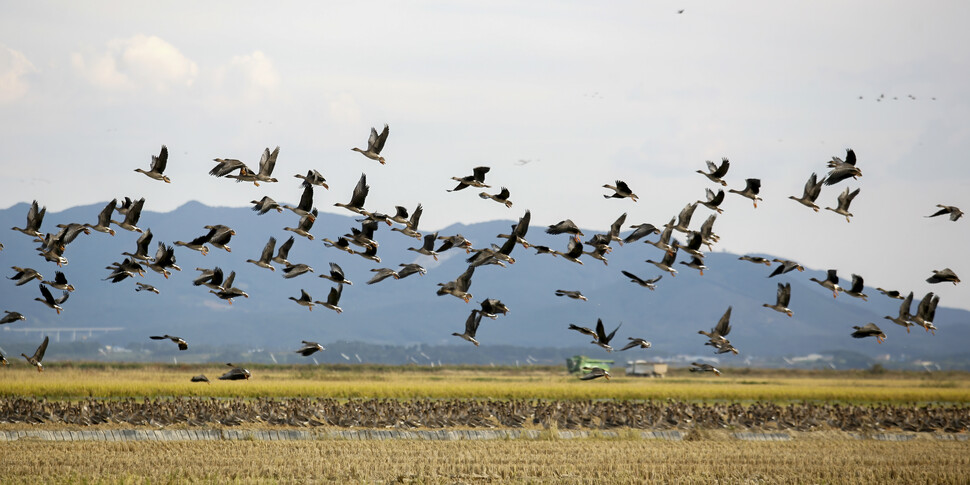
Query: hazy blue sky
x,y
587,94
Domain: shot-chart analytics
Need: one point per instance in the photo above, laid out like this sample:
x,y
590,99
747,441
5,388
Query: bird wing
x,y
268,162
723,327
857,284
617,225
104,217
523,226
159,162
336,271
378,144
471,324
832,277
600,330
334,297
479,173
46,294
360,192
268,250
415,217
306,200
623,187
723,169
465,280
632,276
850,156
135,211
39,353
285,248
753,185
784,294
609,337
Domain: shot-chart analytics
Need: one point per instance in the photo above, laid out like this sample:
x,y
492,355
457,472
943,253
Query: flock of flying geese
x,y
362,242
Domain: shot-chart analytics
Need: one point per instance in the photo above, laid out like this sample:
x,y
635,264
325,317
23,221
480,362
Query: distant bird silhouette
x,y
698,367
574,294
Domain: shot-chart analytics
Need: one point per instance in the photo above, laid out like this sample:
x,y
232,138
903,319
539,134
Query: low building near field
x,y
645,369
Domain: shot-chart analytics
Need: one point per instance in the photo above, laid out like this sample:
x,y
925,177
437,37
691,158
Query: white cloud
x,y
251,76
138,62
344,109
14,67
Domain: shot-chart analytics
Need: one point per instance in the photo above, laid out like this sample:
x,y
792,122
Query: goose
x,y
228,292
306,223
636,342
502,197
471,327
305,207
945,274
332,299
695,263
602,338
400,215
309,348
717,335
210,278
842,170
381,274
574,294
24,275
375,143
540,249
313,177
125,269
594,372
845,198
164,258
869,330
620,191
955,212
831,282
35,217
376,217
411,225
519,230
225,166
219,236
756,260
49,299
59,283
141,247
35,359
751,189
599,253
410,269
649,284
266,256
713,200
641,231
341,243
265,205
614,233
782,299
294,270
356,203
132,216
683,219
235,373
926,311
904,317
664,242
199,378
11,317
266,165
855,290
666,264
813,187
139,286
305,300
456,241
336,275
891,293
698,367
476,179
283,252
104,219
574,249
427,248
491,307
158,166
459,287
182,344
124,206
494,254
693,246
583,330
197,244
369,253
715,172
786,266
3,360
567,226
706,232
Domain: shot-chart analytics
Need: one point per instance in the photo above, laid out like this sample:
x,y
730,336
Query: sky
x,y
558,98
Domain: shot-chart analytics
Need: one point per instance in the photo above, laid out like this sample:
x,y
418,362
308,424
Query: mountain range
x,y
408,312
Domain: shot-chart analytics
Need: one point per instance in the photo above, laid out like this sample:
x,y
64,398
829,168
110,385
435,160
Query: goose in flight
x,y
649,284
312,178
332,299
305,207
219,236
104,219
164,259
595,372
265,205
664,242
813,187
786,266
715,172
369,253
375,143
228,292
667,263
491,307
294,270
519,230
38,356
695,263
158,166
831,282
25,275
267,255
336,275
356,203
869,330
602,338
891,293
620,191
35,217
842,170
471,327
698,367
782,299
717,337
235,373
225,166
427,248
904,318
945,274
141,247
955,212
381,274
641,231
756,260
574,294
683,219
182,344
583,330
410,269
845,198
306,223
197,244
132,216
266,165
476,179
567,226
139,286
309,348
210,278
341,243
855,290
636,342
59,283
49,300
199,378
125,269
283,252
305,299
459,287
502,197
574,249
411,225
11,317
713,200
751,190
926,311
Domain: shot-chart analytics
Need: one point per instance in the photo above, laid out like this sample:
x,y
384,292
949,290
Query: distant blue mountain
x,y
408,312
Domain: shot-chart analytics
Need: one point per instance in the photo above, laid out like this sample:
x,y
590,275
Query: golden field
x,y
76,381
